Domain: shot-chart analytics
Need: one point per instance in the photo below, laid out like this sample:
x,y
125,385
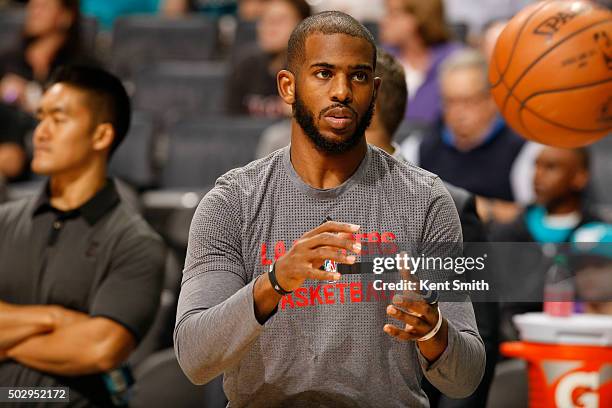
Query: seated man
x,y
80,271
471,146
561,176
560,179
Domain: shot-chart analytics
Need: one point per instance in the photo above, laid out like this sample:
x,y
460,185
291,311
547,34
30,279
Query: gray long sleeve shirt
x,y
325,346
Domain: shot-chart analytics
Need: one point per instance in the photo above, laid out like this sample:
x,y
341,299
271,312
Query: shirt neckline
x,y
328,193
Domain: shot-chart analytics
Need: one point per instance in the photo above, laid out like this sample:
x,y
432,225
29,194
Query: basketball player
x,y
254,303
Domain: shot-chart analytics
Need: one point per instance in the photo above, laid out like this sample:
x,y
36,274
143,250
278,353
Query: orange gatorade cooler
x,y
569,359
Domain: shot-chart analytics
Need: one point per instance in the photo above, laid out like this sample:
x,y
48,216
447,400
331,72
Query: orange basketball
x,y
551,73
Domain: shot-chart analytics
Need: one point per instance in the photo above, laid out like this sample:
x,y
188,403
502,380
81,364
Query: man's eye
x,y
323,74
360,76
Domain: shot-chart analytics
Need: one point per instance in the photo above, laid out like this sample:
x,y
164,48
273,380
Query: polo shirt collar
x,y
93,210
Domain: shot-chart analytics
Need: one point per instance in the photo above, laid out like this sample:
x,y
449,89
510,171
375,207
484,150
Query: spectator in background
x,y
561,177
51,37
15,125
419,37
251,87
471,147
213,8
80,271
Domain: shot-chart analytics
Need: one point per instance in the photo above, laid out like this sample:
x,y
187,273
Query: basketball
x,y
551,73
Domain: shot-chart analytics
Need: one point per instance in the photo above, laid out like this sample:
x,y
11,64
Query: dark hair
x,y
73,35
327,22
430,17
393,92
301,6
107,96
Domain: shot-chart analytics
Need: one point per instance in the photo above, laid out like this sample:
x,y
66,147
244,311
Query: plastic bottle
x,y
559,291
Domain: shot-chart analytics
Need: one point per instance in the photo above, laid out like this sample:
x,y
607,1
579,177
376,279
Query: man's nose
x,y
341,89
41,131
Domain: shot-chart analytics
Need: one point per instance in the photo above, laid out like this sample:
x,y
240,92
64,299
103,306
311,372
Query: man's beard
x,y
305,119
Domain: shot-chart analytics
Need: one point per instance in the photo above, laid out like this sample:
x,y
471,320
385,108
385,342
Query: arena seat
x,y
176,90
161,383
245,37
139,41
133,160
199,151
509,387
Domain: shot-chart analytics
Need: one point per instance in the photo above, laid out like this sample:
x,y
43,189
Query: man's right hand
x,y
329,241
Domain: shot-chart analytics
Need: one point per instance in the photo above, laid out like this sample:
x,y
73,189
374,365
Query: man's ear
x,y
285,81
103,137
377,82
580,180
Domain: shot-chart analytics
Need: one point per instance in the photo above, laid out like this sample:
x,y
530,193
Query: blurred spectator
x,y
251,86
471,147
15,125
81,272
417,34
561,177
51,37
107,11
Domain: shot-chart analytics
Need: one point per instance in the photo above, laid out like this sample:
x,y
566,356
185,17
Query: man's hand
x,y
329,241
418,319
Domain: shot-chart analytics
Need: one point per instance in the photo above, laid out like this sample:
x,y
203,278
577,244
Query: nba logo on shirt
x,y
330,266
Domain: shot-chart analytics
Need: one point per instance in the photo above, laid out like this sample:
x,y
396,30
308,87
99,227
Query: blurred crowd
x,y
434,110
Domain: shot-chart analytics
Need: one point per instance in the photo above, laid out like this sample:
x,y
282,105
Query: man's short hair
x,y
393,92
106,96
329,23
466,59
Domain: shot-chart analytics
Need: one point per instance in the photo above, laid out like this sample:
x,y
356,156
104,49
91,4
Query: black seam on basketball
x,y
551,122
557,90
516,40
548,51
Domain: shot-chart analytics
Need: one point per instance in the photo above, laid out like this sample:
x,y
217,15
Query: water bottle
x,y
559,291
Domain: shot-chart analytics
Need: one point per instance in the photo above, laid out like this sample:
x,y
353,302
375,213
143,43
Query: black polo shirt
x,y
102,259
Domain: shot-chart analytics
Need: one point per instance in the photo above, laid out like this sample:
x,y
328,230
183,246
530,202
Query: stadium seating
x,y
133,160
161,383
139,41
509,387
200,151
176,90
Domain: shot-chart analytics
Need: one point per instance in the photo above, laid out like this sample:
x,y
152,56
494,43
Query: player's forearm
x,y
208,342
18,323
80,349
265,298
433,348
459,369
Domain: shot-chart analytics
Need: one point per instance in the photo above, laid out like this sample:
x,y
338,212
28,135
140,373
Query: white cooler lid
x,y
578,329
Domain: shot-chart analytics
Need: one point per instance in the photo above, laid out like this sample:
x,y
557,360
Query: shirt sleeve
x,y
215,323
131,292
458,371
